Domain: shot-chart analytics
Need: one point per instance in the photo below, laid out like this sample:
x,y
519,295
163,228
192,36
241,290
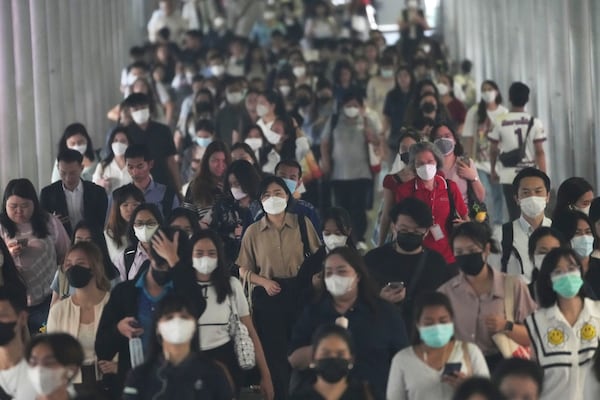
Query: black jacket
x,y
95,203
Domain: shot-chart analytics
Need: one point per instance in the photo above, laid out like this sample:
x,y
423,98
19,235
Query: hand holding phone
x,y
399,285
450,369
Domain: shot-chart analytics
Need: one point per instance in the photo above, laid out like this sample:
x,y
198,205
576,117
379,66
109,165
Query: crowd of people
x,y
218,240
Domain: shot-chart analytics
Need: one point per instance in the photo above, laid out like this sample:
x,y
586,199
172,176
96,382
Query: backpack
x,y
508,248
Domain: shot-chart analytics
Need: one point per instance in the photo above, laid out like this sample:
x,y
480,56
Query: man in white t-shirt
x,y
14,380
511,131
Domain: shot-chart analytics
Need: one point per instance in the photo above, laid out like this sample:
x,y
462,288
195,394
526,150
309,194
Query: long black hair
x,y
220,277
342,221
110,155
99,240
546,295
72,130
152,208
39,219
428,299
569,192
247,177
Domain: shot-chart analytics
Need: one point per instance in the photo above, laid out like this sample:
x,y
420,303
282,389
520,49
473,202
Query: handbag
x,y
508,347
477,209
514,157
310,168
242,342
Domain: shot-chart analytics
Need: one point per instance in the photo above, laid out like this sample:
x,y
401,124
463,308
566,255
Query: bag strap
x,y
508,248
129,257
416,275
467,358
509,297
452,205
524,144
167,201
304,236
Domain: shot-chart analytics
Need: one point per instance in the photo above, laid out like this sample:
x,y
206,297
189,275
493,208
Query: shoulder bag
x,y
242,342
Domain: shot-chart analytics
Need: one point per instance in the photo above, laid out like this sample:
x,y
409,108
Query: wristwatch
x,y
509,326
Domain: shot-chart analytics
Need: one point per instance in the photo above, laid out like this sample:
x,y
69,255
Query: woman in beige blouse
x,y
80,314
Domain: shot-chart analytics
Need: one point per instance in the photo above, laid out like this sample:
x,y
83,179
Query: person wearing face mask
x,y
512,131
53,361
111,173
333,354
286,141
175,367
272,251
574,194
79,314
220,291
232,119
337,232
421,372
593,274
577,230
14,380
541,241
442,196
396,104
458,166
143,223
532,188
350,301
128,315
158,139
184,220
478,123
167,16
269,106
192,155
478,294
72,199
345,148
455,107
238,208
379,86
76,137
400,172
564,330
400,267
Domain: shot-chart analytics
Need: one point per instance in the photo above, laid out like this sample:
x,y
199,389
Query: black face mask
x,y
427,107
7,332
470,264
303,101
409,241
332,370
161,277
405,157
79,276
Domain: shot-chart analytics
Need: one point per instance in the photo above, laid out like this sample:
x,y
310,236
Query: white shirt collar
x,y
78,188
526,226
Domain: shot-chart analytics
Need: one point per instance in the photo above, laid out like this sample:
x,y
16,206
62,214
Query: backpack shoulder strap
x,y
451,203
128,257
167,201
410,290
304,235
508,248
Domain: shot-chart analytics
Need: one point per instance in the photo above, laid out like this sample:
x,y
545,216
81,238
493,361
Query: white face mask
x,y
583,245
204,265
285,90
339,285
299,72
189,76
217,70
177,330
238,193
274,205
141,116
81,148
144,233
46,380
427,172
585,210
254,143
532,206
334,241
489,96
119,148
234,97
387,73
272,137
443,89
261,110
351,112
538,259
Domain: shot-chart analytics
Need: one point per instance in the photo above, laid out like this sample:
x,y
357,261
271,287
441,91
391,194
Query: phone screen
x,y
395,285
451,368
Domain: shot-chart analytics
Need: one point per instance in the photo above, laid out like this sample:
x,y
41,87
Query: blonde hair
x,y
96,261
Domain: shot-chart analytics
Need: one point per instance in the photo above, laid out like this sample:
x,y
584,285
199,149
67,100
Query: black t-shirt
x,y
387,265
159,140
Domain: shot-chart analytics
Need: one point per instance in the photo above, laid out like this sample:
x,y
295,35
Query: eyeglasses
x,y
149,224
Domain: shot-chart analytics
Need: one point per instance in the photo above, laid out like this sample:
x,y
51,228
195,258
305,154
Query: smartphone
x,y
23,242
395,285
452,368
134,324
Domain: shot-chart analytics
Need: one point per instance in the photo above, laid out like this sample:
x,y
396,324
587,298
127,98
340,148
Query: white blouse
x,y
214,322
114,174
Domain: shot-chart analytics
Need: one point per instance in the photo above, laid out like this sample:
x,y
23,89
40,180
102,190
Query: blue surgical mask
x,y
567,285
202,142
438,335
291,184
583,245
